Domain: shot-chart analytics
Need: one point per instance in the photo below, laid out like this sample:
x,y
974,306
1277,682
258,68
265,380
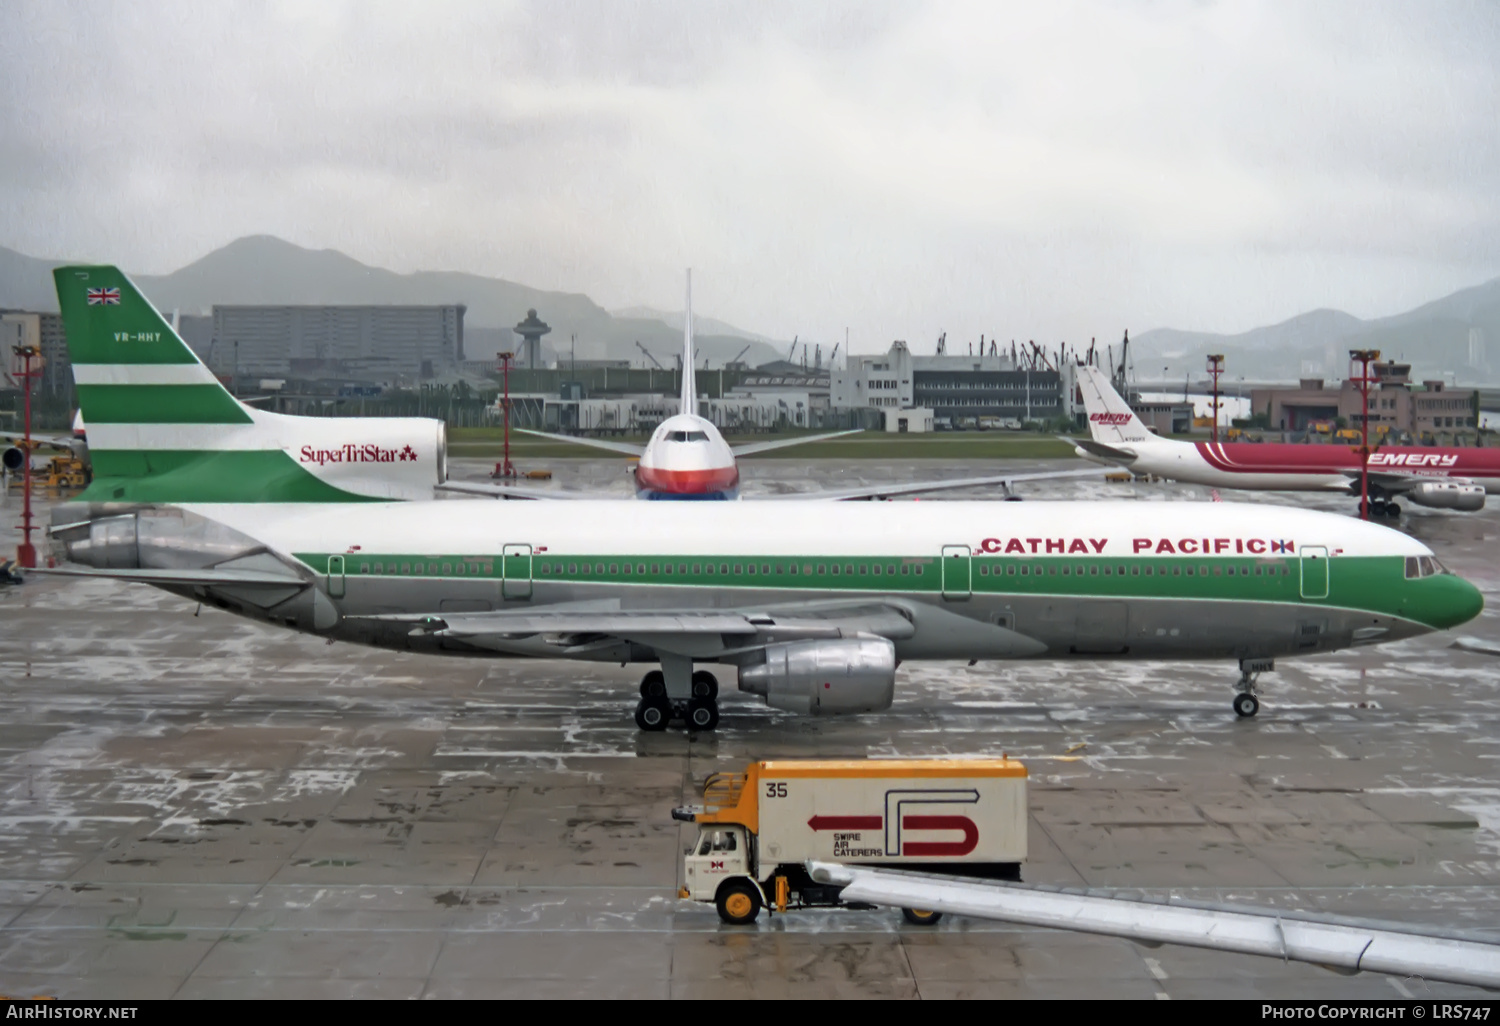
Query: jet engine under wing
x,y
500,491
751,448
884,491
597,443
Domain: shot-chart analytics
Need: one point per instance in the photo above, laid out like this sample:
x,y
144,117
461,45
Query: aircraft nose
x,y
1457,602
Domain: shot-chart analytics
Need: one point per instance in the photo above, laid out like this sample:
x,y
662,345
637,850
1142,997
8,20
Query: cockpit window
x,y
1424,566
687,436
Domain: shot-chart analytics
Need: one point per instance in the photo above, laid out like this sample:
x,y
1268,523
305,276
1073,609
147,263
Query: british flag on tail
x,y
104,297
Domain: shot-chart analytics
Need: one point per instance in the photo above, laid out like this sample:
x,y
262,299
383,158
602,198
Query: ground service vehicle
x,y
756,829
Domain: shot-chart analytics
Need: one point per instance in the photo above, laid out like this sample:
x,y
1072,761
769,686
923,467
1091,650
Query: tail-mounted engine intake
x,y
1447,495
851,675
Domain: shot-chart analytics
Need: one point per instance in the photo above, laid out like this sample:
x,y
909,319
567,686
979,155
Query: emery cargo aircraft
x,y
201,496
687,459
1441,478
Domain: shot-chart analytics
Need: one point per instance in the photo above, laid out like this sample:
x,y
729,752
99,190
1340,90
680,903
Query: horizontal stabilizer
x,y
1103,451
752,448
207,577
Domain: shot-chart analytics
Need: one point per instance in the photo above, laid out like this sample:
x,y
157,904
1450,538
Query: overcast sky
x,y
1037,170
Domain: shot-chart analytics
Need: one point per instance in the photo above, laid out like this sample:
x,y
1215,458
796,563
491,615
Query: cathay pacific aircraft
x,y
293,523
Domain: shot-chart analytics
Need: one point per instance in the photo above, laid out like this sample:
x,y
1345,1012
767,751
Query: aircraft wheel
x,y
705,685
1364,509
1393,509
1246,705
920,916
653,685
738,903
702,715
652,714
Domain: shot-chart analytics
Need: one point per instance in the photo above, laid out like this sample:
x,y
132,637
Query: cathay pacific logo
x,y
353,453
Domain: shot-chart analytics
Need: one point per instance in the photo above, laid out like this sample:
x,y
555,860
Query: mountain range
x,y
1451,334
1446,336
265,269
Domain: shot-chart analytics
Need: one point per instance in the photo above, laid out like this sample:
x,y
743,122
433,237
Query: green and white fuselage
x,y
1080,578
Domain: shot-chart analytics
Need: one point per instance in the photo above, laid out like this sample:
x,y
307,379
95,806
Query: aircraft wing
x,y
59,442
1397,483
504,491
597,443
572,628
752,448
1101,450
886,491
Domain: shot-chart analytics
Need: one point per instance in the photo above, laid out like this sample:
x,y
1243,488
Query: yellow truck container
x,y
756,829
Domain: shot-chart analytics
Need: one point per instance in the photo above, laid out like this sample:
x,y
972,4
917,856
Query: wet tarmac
x,y
198,806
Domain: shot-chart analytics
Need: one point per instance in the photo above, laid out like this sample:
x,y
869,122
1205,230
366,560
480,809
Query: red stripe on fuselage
x,y
687,482
1284,458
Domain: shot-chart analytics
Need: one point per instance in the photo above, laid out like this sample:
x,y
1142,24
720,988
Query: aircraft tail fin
x,y
689,397
161,427
1111,420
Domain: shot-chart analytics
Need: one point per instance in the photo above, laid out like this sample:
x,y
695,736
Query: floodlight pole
x,y
1215,368
1364,357
505,469
26,552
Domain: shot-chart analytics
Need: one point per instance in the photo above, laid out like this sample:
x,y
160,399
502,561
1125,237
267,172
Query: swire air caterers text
x,y
1153,546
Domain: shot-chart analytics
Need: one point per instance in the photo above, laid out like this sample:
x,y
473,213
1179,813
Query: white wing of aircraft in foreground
x,y
688,459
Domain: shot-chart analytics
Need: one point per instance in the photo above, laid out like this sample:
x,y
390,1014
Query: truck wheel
x,y
921,917
738,903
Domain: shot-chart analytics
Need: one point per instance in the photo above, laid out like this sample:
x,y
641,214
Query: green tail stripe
x,y
180,476
122,328
159,404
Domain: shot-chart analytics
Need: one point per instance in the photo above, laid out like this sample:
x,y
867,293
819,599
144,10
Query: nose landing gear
x,y
660,703
1246,704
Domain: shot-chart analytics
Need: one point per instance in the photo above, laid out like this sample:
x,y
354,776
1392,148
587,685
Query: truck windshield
x,y
719,840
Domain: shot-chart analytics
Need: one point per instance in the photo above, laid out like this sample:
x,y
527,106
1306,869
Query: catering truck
x,y
757,829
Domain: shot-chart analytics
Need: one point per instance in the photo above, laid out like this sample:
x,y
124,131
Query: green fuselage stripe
x,y
1375,584
159,404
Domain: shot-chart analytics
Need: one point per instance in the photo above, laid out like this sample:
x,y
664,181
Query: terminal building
x,y
367,343
1396,404
961,391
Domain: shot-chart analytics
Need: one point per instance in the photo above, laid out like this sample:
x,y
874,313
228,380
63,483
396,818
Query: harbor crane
x,y
653,359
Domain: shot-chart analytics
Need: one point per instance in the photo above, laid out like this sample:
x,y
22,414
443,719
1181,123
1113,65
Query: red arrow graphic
x,y
846,822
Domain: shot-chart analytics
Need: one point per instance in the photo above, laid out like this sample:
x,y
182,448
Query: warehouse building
x,y
1396,404
962,391
385,343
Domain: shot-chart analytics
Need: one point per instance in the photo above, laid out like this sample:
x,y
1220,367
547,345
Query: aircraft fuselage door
x,y
957,570
515,570
1314,571
335,576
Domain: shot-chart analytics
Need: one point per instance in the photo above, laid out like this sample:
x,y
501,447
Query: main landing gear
x,y
1246,704
1382,508
658,708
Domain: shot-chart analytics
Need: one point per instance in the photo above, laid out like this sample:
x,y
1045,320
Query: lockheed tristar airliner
x,y
1442,478
201,496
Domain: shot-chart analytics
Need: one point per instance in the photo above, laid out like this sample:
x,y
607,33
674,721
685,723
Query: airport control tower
x,y
531,331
